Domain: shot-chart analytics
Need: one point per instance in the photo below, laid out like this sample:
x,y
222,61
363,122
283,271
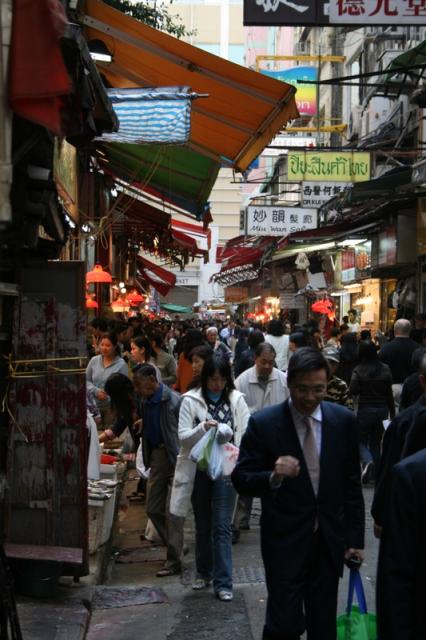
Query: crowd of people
x,y
313,417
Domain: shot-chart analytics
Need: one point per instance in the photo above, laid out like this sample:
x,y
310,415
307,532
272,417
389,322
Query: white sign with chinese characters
x,y
315,194
270,220
377,12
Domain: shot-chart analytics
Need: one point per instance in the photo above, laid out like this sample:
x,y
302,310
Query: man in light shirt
x,y
302,458
263,385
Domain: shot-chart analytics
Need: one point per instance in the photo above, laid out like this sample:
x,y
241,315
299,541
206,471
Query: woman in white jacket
x,y
216,404
280,341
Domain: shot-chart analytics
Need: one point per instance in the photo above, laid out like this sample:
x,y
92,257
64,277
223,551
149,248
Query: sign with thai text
x,y
378,12
344,166
270,220
315,194
285,12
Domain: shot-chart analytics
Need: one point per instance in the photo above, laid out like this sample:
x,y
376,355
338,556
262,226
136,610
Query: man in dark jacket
x,y
401,611
302,458
159,411
392,448
397,354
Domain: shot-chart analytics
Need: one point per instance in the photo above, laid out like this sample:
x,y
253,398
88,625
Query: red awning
x,y
158,277
156,231
201,236
186,242
38,76
241,259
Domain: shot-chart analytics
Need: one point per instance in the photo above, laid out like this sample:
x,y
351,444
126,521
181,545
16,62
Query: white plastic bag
x,y
231,453
199,446
140,466
216,458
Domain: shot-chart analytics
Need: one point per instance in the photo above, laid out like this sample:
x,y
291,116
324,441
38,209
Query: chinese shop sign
x,y
346,166
371,12
315,194
285,12
267,220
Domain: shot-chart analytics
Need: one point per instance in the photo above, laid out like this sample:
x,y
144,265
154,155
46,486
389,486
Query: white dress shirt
x,y
300,424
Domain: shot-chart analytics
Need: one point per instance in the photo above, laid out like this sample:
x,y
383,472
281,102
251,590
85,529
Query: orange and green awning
x,y
243,109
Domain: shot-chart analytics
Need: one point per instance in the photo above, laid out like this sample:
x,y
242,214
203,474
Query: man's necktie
x,y
310,451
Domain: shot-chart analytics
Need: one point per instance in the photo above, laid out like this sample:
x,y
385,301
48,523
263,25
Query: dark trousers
x,y
306,602
370,424
169,527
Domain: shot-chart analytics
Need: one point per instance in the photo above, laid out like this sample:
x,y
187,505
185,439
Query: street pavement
x,y
185,614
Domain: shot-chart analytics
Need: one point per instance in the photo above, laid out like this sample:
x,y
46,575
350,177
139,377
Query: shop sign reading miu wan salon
x,y
331,166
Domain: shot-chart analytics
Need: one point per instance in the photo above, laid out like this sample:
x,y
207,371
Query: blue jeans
x,y
370,423
213,502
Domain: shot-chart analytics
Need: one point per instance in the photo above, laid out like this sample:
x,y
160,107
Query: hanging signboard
x,y
348,265
345,166
377,12
315,194
306,96
363,260
285,12
269,220
280,144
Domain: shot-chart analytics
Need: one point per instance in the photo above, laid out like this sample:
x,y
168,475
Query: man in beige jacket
x,y
263,385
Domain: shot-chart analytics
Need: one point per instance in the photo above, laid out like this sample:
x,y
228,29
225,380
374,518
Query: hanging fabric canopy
x,y
158,115
39,79
156,232
158,277
242,259
174,174
244,109
175,308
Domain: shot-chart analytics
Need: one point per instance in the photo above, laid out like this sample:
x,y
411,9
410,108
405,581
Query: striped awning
x,y
158,277
151,116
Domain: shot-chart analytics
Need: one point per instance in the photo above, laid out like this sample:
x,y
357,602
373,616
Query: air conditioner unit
x,y
354,127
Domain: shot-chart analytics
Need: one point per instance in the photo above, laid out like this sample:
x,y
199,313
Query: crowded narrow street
x,y
183,614
212,319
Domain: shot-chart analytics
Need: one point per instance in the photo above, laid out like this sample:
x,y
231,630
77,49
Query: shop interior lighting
x,y
352,242
99,51
353,286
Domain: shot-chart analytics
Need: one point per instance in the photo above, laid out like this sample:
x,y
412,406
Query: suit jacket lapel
x,y
328,446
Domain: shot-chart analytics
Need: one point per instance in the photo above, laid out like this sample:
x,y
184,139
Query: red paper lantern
x,y
90,303
98,275
135,298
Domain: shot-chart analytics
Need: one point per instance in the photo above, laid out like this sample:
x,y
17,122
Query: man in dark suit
x,y
401,611
302,458
392,451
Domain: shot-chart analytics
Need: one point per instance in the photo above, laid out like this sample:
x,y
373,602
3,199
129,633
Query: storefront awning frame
x,y
220,126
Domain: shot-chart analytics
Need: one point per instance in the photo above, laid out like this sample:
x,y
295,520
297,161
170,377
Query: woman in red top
x,y
184,373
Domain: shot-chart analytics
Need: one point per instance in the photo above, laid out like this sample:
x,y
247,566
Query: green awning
x,y
175,308
173,173
412,58
385,186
